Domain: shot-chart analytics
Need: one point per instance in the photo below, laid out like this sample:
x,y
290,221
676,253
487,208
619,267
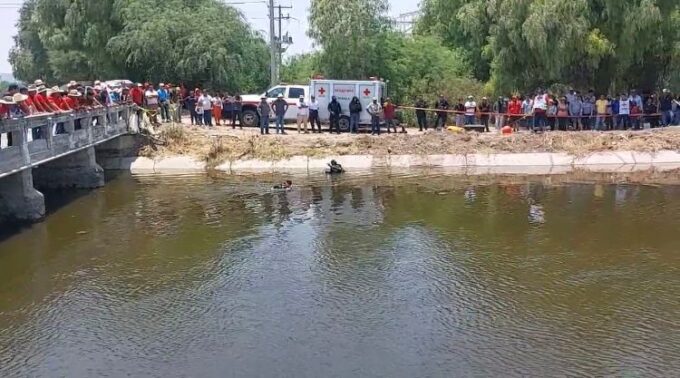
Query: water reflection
x,y
397,275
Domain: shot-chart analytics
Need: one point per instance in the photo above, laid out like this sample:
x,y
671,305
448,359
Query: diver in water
x,y
334,168
286,185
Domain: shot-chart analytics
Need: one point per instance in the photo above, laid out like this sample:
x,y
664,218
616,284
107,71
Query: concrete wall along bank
x,y
526,163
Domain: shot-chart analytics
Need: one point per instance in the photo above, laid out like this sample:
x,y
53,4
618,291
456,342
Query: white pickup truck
x,y
323,90
291,93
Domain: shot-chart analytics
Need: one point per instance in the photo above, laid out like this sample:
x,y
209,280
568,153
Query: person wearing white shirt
x,y
151,101
470,110
527,110
313,108
302,114
205,103
540,107
624,112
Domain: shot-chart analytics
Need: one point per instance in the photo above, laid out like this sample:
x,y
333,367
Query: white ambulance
x,y
343,90
323,90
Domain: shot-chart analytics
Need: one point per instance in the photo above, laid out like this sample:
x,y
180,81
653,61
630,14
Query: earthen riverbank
x,y
175,149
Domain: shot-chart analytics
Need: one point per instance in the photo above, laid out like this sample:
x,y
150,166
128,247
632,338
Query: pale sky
x,y
255,12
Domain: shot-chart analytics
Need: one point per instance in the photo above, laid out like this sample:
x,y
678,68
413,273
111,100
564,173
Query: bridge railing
x,y
28,141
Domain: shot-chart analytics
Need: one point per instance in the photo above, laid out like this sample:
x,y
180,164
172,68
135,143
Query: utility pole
x,y
273,70
281,40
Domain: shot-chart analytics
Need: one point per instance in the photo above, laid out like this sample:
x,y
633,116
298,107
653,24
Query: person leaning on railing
x,y
56,101
72,100
37,92
29,105
9,108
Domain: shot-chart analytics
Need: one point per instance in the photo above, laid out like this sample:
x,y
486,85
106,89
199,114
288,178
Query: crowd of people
x,y
538,112
204,108
162,103
543,110
38,98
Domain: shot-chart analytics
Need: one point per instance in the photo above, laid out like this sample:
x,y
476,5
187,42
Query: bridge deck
x,y
31,141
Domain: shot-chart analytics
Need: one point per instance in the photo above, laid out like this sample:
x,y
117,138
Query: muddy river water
x,y
371,275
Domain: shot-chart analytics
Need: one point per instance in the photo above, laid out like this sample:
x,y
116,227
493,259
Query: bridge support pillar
x,y
78,170
19,200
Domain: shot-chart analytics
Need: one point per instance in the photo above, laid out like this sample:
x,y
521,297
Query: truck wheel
x,y
250,118
344,124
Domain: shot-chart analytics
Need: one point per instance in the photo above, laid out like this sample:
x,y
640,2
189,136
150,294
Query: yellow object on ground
x,y
455,129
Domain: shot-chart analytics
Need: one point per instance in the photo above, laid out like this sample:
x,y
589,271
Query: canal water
x,y
377,275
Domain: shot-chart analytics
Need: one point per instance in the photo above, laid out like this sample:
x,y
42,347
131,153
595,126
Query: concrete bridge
x,y
54,151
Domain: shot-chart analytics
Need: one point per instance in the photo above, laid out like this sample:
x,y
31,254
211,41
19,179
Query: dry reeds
x,y
216,149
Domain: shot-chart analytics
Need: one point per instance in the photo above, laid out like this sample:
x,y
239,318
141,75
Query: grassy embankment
x,y
218,146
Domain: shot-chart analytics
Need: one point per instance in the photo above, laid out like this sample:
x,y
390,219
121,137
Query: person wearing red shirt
x,y
54,99
41,100
515,106
515,111
67,103
390,113
74,99
27,105
137,96
32,93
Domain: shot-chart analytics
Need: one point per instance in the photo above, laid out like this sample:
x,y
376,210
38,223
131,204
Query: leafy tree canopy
x,y
522,44
194,41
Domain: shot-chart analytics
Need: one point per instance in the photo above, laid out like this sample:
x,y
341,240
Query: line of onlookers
x,y
571,111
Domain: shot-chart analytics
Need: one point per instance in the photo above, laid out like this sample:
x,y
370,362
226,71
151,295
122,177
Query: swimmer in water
x,y
286,185
334,168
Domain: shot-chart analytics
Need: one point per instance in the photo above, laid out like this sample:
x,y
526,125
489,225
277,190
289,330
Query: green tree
x,y
28,57
425,67
355,37
522,44
196,41
299,69
461,24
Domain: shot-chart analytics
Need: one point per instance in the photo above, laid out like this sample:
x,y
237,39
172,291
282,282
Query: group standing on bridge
x,y
39,99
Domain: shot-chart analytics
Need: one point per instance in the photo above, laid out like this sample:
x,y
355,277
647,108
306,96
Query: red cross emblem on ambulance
x,y
367,92
322,91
